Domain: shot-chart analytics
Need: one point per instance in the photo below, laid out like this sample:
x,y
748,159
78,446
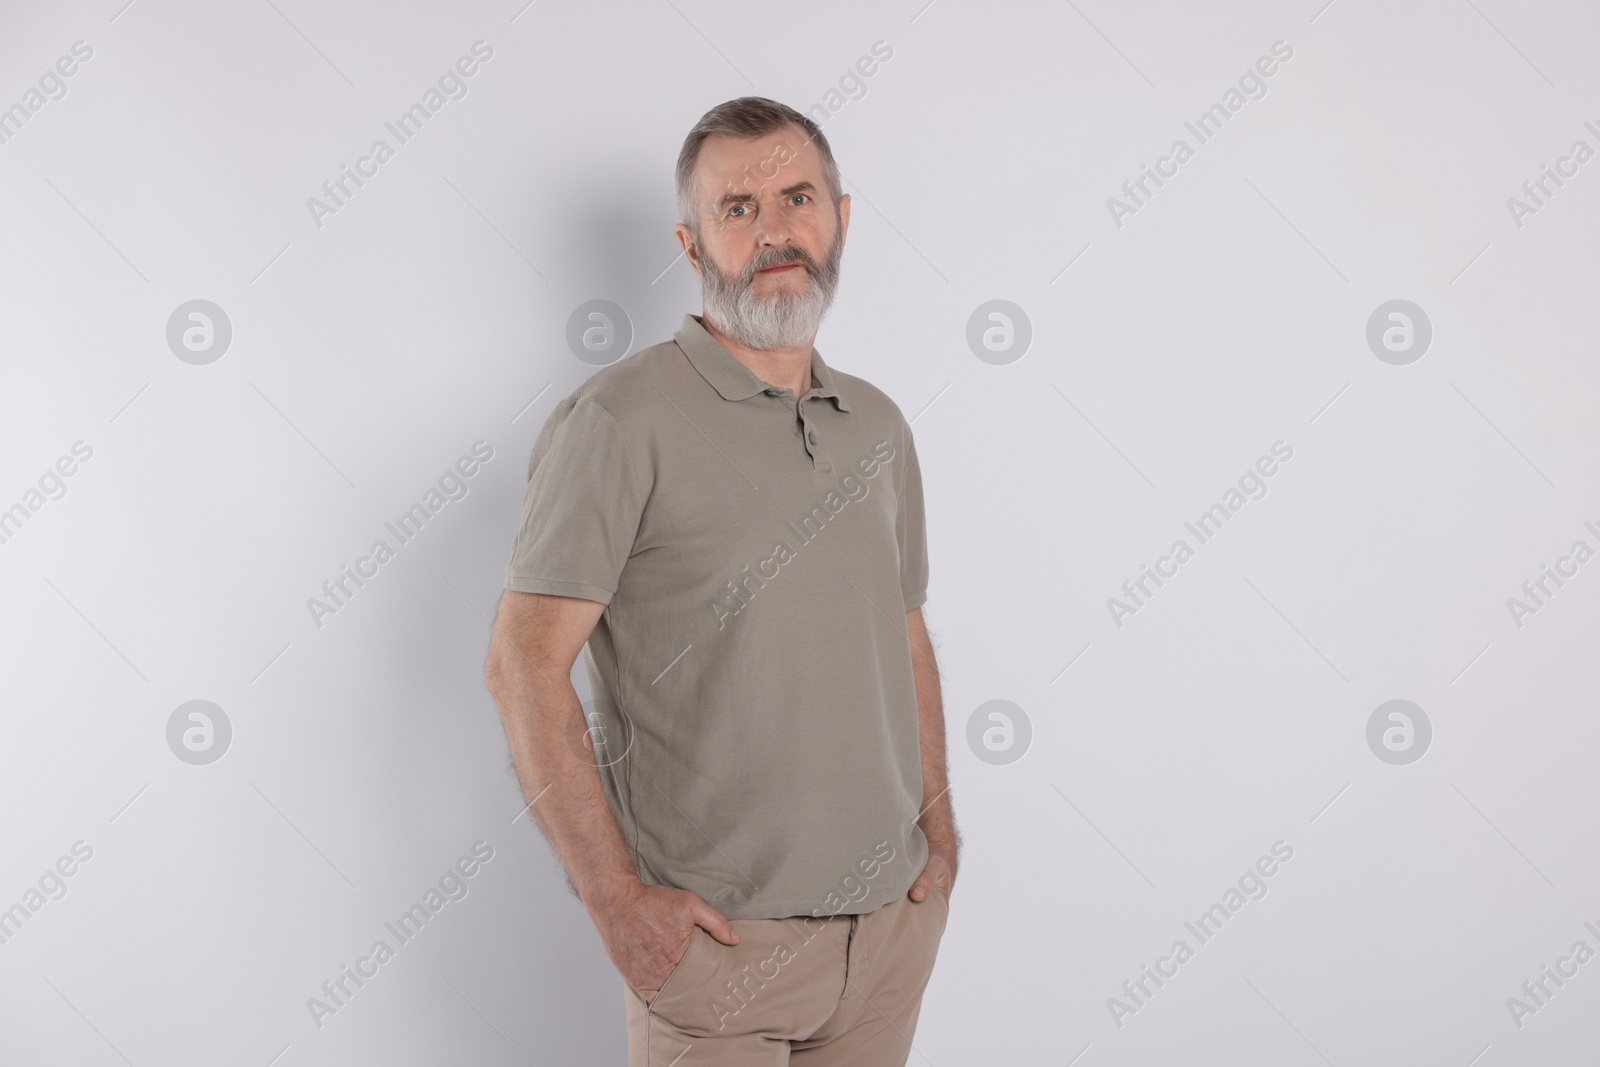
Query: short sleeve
x,y
581,510
911,529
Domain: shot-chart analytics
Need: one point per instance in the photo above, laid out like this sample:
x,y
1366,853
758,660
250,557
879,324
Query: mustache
x,y
777,259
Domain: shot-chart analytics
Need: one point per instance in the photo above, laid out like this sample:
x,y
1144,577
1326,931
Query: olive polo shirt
x,y
753,707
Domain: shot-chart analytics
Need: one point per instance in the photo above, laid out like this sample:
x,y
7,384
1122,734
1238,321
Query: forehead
x,y
741,164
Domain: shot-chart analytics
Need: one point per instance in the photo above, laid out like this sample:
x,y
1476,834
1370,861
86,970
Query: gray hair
x,y
748,116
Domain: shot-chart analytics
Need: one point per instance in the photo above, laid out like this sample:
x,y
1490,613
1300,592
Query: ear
x,y
685,238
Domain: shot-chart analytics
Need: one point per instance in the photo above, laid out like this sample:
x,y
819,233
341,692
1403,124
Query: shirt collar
x,y
732,379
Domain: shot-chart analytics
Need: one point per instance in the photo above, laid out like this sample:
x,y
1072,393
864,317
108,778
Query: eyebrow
x,y
788,190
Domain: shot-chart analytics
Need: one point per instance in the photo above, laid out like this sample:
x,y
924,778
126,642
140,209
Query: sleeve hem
x,y
916,600
556,587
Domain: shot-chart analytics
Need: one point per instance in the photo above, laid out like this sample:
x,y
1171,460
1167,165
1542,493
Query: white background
x,y
1228,313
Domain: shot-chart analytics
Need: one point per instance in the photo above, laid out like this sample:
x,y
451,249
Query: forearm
x,y
545,728
938,813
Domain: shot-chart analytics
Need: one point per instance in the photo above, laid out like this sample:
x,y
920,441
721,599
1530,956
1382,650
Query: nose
x,y
772,231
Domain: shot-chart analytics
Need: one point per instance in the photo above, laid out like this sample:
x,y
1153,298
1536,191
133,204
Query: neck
x,y
785,368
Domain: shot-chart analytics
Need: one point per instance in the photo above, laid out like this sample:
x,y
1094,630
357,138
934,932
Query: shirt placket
x,y
813,440
810,438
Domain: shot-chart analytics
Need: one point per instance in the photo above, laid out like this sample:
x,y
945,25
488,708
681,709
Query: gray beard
x,y
783,320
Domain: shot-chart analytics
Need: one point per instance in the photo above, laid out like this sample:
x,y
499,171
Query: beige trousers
x,y
841,991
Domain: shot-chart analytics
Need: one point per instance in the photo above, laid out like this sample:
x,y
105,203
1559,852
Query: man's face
x,y
768,243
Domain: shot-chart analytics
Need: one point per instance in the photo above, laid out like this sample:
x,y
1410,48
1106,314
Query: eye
x,y
798,196
738,207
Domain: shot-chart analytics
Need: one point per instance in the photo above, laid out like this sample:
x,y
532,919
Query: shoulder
x,y
873,404
628,389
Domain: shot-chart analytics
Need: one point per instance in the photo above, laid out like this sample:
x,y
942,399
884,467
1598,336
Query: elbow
x,y
496,671
509,669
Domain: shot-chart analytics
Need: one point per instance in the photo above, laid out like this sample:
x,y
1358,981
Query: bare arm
x,y
938,820
536,641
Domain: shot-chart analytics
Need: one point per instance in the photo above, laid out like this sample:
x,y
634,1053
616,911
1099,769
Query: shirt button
x,y
812,437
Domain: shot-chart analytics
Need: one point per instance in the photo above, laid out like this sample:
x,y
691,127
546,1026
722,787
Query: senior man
x,y
755,810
